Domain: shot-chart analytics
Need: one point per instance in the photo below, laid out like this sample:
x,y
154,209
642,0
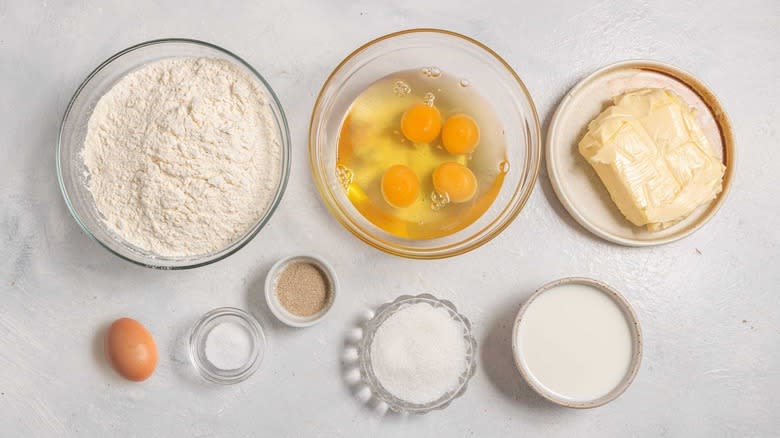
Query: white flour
x,y
183,155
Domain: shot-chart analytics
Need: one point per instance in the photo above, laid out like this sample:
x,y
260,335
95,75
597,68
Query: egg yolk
x,y
456,181
400,186
421,123
460,134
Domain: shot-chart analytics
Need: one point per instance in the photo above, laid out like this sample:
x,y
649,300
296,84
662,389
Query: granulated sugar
x,y
419,353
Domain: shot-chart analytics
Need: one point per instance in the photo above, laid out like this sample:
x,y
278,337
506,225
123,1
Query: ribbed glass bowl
x,y
71,170
367,371
487,73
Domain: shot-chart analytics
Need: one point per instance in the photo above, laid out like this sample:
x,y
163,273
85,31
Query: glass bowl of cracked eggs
x,y
381,181
173,154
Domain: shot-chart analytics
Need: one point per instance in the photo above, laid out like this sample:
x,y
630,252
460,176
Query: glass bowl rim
x,y
397,404
256,227
492,229
258,339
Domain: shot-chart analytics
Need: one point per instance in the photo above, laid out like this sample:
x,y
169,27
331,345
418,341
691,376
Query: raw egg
x,y
400,186
130,349
460,134
456,181
421,123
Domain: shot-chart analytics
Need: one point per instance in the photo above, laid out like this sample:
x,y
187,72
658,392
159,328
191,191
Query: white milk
x,y
576,342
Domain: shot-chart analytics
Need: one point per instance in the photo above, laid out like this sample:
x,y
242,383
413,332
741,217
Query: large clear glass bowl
x,y
487,72
70,166
368,376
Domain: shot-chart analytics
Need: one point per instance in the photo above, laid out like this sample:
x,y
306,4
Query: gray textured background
x,y
709,304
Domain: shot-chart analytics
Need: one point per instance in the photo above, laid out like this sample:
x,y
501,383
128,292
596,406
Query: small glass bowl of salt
x,y
227,345
417,354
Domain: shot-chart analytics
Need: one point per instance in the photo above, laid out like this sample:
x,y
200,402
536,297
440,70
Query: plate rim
x,y
710,100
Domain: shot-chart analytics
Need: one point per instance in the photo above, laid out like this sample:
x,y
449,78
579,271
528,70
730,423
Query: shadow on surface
x,y
258,307
544,177
499,366
353,380
179,355
99,351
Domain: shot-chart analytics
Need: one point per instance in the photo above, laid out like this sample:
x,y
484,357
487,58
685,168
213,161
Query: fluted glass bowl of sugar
x,y
417,354
74,175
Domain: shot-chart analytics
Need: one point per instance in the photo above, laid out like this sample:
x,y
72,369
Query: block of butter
x,y
652,156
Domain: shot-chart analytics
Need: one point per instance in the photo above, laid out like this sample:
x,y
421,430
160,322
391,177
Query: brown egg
x,y
130,349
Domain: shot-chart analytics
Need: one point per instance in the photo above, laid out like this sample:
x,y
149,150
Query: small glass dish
x,y
366,368
487,72
71,171
199,335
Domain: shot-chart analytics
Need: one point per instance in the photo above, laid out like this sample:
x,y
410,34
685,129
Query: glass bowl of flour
x,y
173,154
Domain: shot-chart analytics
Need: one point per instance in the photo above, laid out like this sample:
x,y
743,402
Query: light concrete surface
x,y
709,304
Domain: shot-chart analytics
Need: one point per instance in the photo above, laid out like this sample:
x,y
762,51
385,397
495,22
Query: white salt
x,y
228,346
419,353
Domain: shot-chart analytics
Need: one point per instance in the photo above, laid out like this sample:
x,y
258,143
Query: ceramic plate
x,y
575,182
